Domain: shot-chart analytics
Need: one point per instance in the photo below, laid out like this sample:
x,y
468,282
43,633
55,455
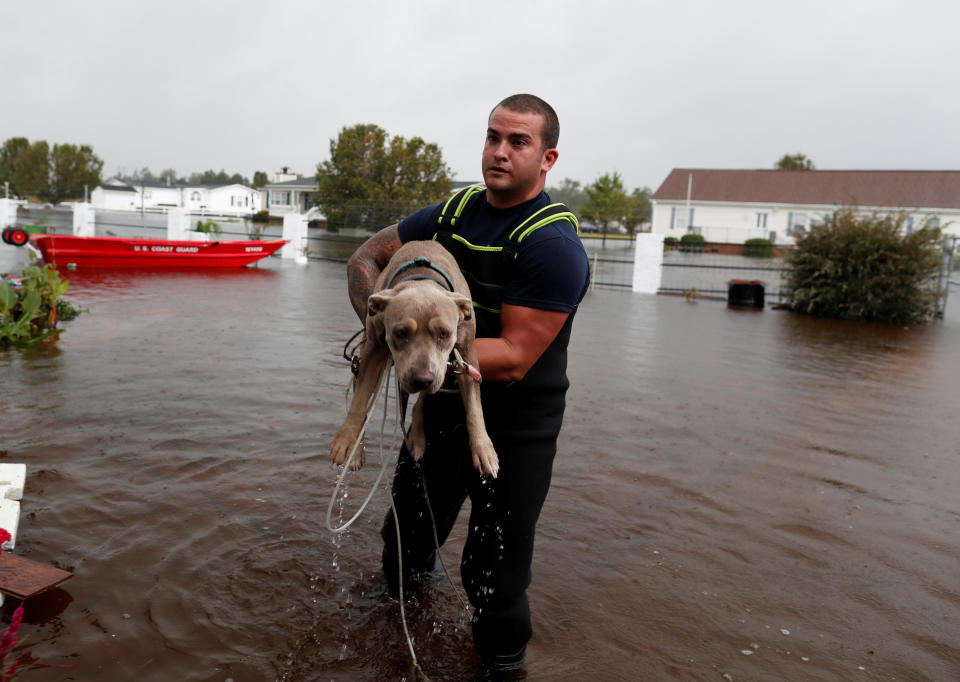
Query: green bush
x,y
865,268
261,216
208,227
31,307
692,242
758,248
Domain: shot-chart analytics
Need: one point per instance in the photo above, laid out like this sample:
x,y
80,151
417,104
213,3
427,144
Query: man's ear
x,y
548,159
464,304
378,302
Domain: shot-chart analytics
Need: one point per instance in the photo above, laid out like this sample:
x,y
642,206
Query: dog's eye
x,y
400,334
443,334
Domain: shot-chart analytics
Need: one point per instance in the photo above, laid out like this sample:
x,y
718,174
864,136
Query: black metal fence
x,y
699,269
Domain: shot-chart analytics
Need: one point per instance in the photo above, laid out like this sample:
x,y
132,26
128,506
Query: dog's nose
x,y
421,379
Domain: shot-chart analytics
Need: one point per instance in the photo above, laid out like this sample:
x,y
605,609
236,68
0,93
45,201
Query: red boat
x,y
118,252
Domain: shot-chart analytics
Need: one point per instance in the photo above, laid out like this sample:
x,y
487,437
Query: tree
x,y
372,180
8,155
212,177
607,202
143,175
794,162
260,179
31,170
168,176
570,193
72,169
640,210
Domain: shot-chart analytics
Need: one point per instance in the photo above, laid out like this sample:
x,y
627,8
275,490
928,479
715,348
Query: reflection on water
x,y
727,481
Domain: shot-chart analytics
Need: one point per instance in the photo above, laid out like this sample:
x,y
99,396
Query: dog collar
x,y
422,262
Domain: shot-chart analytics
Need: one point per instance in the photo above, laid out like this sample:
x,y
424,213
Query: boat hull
x,y
117,252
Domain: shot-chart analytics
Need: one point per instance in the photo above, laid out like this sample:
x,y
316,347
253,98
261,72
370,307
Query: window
x,y
908,226
796,222
195,196
677,221
935,221
761,220
280,198
233,200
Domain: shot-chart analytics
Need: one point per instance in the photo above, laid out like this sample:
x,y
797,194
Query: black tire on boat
x,y
6,235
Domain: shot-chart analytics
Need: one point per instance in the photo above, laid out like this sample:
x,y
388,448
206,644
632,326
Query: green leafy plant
x,y
31,307
262,216
692,242
758,248
865,268
208,227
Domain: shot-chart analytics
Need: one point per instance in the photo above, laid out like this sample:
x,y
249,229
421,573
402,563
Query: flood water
x,y
751,494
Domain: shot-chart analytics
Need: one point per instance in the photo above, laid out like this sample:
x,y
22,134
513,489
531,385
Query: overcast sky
x,y
640,87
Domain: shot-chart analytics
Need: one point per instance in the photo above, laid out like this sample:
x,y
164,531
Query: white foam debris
x,y
784,631
754,646
804,658
860,667
728,677
746,652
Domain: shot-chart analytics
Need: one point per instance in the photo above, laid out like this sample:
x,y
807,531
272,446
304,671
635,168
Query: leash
x,y
456,366
381,384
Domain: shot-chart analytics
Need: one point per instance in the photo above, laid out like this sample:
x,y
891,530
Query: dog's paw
x,y
342,445
485,459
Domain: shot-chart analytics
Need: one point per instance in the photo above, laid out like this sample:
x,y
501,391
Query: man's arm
x,y
524,334
365,266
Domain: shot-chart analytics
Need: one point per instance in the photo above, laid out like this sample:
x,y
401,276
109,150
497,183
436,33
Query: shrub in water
x,y
865,268
30,306
758,248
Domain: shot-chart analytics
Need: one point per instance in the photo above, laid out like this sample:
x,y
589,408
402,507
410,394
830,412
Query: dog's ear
x,y
463,303
378,302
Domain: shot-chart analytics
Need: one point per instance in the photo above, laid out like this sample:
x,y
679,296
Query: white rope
x,y
381,383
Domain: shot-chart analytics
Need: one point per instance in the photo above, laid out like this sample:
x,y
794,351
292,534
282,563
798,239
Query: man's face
x,y
514,164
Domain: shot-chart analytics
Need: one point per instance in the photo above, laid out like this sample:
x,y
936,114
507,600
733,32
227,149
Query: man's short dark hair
x,y
531,104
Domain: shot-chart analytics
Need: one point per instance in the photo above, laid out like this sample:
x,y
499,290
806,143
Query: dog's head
x,y
420,326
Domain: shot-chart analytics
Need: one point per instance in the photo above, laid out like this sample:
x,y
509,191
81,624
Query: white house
x,y
132,195
735,205
289,193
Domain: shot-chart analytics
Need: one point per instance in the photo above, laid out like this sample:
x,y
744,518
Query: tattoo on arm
x,y
365,265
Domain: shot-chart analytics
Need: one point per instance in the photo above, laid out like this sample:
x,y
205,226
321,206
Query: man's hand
x,y
365,266
524,334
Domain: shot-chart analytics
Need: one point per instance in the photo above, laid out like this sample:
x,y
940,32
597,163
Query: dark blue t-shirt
x,y
552,271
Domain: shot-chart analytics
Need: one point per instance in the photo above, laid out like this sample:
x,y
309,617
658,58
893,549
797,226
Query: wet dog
x,y
420,313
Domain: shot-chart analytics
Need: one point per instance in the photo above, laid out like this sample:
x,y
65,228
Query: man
x,y
526,284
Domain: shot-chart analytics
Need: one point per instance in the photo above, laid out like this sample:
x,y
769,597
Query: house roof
x,y
308,182
888,188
